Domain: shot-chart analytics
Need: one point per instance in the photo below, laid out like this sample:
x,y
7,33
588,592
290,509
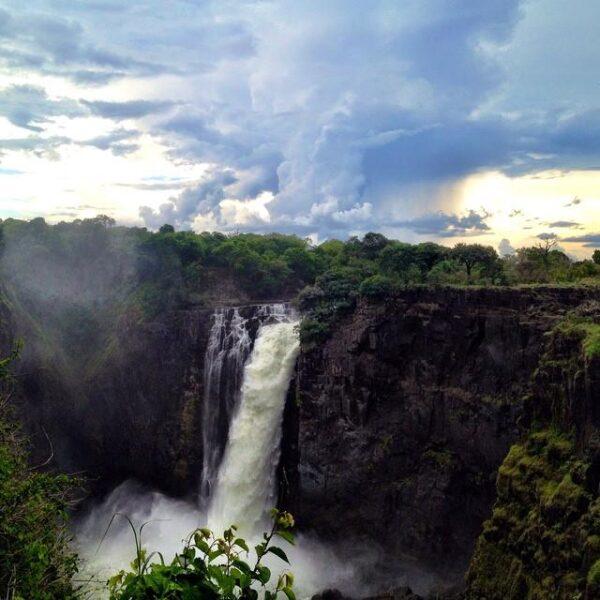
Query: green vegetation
x,y
78,276
208,568
543,535
587,329
36,562
375,267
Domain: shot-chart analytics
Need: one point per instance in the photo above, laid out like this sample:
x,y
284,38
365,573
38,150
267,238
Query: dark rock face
x,y
406,412
136,413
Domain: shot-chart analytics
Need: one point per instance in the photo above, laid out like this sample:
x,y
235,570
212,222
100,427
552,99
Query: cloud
x,y
133,109
29,106
42,147
117,141
590,240
547,236
202,199
448,225
54,45
574,202
347,117
157,186
505,248
565,224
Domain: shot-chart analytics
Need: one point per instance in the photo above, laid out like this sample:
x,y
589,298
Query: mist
x,y
316,566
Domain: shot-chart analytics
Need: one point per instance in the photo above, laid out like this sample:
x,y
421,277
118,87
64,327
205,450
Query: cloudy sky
x,y
425,119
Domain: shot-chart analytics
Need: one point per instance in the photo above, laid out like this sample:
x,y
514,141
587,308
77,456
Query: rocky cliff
x,y
543,537
405,414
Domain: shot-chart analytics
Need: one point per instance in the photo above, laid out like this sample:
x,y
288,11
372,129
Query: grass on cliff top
x,y
591,342
589,331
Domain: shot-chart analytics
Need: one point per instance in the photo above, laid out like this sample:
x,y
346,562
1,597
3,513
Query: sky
x,y
445,120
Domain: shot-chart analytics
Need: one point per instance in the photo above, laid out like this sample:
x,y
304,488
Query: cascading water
x,y
246,484
229,346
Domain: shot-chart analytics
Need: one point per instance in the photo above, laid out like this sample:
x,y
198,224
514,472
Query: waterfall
x,y
230,343
245,486
249,362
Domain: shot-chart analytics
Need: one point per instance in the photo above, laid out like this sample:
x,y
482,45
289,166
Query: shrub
x,y
313,331
377,286
208,568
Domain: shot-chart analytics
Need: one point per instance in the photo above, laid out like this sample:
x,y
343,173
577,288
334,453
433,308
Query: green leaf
x,y
242,566
264,574
289,593
215,554
202,546
242,544
288,536
279,552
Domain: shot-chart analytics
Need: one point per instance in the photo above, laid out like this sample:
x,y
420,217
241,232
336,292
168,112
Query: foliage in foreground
x,y
35,560
208,568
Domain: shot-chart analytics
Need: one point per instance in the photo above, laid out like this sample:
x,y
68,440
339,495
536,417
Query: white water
x,y
228,349
246,483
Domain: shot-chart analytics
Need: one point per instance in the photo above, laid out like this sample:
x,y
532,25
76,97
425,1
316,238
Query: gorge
x,y
393,430
421,430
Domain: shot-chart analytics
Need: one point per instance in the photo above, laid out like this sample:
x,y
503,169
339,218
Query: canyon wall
x,y
406,412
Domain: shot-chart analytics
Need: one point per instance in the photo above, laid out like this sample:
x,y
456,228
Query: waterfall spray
x,y
239,478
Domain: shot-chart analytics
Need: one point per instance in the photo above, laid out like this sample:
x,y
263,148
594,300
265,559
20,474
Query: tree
x,y
546,246
471,255
166,228
373,244
397,257
105,220
428,254
36,560
377,286
596,257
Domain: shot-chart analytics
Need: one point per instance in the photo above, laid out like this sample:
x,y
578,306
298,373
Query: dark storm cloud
x,y
590,240
565,224
133,109
201,198
54,45
447,225
29,107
